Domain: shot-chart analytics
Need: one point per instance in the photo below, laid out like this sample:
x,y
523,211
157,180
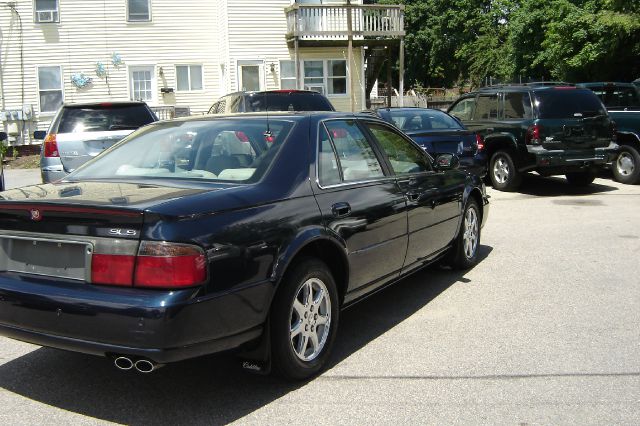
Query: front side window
x,y
357,158
46,11
486,108
189,77
50,88
288,75
403,155
139,10
463,109
142,81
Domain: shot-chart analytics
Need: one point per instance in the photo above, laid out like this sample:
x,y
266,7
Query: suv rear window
x,y
102,118
568,103
275,101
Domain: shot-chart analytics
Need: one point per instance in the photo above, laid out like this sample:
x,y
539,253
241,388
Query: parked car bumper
x,y
51,169
160,325
569,160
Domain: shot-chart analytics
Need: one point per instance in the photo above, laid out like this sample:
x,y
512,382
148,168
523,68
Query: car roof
x,y
102,104
298,115
606,84
277,92
389,109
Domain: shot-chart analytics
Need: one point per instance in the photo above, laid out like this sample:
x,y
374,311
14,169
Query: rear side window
x,y
463,109
568,103
486,108
517,105
614,96
101,118
357,159
403,155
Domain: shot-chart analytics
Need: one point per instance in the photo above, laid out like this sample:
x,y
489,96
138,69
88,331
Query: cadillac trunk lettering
x,y
36,215
123,232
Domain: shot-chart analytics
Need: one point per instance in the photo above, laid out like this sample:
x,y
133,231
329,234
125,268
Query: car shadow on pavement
x,y
540,186
207,390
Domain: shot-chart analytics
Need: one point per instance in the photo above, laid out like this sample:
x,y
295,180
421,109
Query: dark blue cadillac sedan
x,y
248,232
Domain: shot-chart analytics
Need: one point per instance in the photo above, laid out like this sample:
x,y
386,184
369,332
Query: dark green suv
x,y
552,130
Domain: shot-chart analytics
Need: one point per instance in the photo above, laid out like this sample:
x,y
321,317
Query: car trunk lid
x,y
445,141
75,149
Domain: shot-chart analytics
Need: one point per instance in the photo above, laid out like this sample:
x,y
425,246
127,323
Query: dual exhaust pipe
x,y
141,365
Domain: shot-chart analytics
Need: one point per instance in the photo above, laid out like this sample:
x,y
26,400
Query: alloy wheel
x,y
310,319
625,164
501,170
470,236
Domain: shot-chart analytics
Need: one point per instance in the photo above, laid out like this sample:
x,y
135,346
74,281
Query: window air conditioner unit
x,y
46,15
319,89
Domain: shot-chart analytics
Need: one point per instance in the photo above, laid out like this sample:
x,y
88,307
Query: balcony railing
x,y
318,22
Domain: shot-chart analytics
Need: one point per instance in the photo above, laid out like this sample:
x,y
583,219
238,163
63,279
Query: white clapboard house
x,y
180,56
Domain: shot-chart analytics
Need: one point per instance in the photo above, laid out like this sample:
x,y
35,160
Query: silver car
x,y
79,132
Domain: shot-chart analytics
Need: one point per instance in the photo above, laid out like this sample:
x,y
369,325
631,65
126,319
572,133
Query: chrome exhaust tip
x,y
123,363
146,366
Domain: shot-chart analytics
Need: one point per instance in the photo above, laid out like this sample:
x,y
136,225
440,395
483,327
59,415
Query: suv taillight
x,y
479,142
157,265
51,146
533,135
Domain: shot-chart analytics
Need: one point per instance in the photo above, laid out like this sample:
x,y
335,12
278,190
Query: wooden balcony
x,y
330,23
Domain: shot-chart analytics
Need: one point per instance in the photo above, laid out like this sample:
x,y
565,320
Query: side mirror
x,y
39,134
3,136
447,162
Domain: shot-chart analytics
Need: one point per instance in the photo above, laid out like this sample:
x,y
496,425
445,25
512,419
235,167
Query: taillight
x,y
167,265
157,265
242,136
533,135
51,146
479,142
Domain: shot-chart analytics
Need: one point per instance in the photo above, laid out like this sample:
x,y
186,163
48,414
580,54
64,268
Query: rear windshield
x,y
102,118
420,119
286,102
568,103
214,150
613,96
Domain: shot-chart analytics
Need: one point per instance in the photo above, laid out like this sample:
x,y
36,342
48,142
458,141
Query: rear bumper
x,y
570,160
163,326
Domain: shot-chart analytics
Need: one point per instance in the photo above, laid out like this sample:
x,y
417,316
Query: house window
x,y
189,77
50,88
142,82
138,10
288,75
46,11
326,76
337,78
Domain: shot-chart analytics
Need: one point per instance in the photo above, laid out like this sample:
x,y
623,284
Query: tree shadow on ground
x,y
207,390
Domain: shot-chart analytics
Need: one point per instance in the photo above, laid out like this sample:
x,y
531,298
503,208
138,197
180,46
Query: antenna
x,y
268,136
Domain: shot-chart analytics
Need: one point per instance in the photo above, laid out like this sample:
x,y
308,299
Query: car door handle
x,y
341,209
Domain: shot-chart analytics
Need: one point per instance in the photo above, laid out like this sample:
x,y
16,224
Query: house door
x,y
250,76
142,83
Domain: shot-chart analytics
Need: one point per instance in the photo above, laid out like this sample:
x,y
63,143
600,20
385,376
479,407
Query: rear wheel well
x,y
330,254
628,139
497,144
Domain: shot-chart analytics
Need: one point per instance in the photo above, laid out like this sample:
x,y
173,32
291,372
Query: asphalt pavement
x,y
544,330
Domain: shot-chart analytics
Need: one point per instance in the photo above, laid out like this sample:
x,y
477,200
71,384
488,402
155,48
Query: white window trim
x,y
49,113
189,68
129,21
325,75
154,82
261,72
57,11
293,78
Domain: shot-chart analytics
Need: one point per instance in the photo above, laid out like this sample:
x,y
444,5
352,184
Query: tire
x,y
464,253
296,356
581,178
626,166
503,173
